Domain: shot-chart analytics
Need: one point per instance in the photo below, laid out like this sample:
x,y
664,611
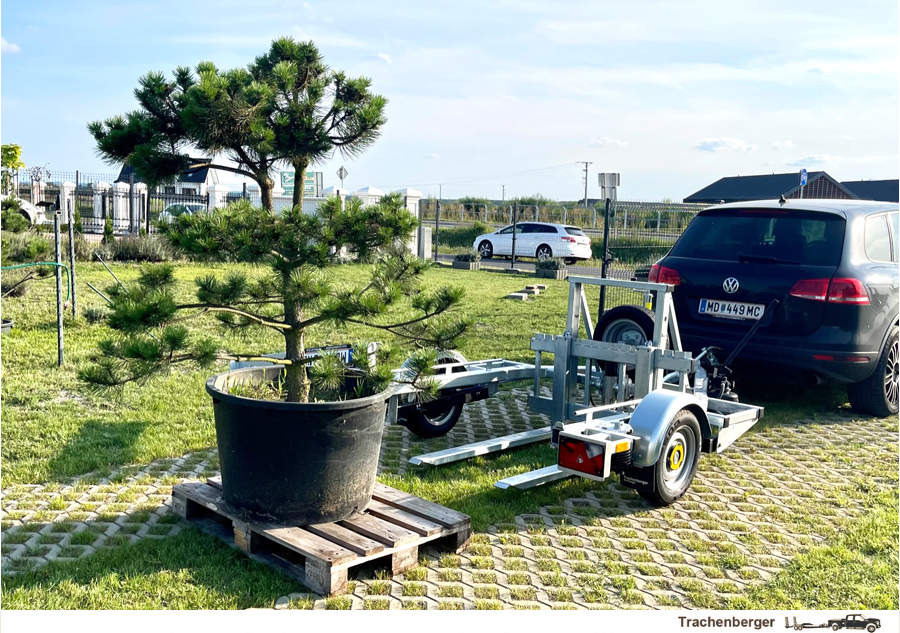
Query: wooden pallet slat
x,y
418,506
306,543
353,541
420,526
382,531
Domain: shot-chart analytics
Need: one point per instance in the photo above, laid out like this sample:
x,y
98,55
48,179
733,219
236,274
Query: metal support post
x,y
604,271
59,302
71,216
437,229
515,214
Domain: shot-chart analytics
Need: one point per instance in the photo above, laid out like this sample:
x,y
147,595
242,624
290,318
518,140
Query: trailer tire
x,y
431,420
676,467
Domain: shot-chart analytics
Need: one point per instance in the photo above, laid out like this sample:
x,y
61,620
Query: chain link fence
x,y
639,233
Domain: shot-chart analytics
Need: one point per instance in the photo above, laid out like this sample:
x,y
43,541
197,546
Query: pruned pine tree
x,y
286,108
294,295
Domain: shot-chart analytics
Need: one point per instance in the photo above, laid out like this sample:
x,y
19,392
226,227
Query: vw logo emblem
x,y
731,285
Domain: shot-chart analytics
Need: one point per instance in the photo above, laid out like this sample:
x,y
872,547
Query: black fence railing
x,y
639,233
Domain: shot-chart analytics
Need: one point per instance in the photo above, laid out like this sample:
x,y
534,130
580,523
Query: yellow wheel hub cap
x,y
676,457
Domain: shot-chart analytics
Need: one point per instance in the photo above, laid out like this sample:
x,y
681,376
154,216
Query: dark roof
x,y
766,187
881,190
197,176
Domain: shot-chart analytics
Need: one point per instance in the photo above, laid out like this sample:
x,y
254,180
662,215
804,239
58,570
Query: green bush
x,y
108,235
554,263
12,218
25,247
150,248
468,256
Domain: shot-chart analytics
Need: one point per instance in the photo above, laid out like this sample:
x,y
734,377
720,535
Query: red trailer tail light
x,y
581,456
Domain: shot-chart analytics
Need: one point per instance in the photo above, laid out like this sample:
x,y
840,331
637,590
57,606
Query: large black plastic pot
x,y
295,463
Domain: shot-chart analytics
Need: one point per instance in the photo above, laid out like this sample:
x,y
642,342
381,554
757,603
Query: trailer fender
x,y
651,419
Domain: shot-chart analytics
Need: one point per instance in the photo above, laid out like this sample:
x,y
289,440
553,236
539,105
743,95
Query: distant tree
x,y
534,200
11,159
287,107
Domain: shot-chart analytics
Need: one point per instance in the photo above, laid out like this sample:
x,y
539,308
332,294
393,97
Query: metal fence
x,y
639,232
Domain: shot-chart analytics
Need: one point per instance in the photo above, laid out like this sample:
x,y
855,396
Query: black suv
x,y
832,266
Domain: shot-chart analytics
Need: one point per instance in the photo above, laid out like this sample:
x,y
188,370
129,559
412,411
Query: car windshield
x,y
764,236
574,230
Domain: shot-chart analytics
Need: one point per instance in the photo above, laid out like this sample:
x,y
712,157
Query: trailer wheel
x,y
434,420
674,471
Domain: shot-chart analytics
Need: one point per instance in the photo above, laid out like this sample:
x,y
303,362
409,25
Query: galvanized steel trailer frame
x,y
632,416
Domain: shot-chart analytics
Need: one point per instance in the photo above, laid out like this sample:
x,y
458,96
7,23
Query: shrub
x,y
468,256
108,235
554,263
138,249
12,218
25,247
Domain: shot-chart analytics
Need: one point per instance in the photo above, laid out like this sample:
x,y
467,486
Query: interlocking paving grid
x,y
750,510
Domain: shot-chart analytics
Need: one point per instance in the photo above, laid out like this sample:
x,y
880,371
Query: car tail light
x,y
844,290
569,239
837,290
814,289
664,275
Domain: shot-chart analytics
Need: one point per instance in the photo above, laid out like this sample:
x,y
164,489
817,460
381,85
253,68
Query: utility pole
x,y
503,195
586,163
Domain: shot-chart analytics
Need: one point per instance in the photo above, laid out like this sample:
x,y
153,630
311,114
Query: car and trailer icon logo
x,y
731,285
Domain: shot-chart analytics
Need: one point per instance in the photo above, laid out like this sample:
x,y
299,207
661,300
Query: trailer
x,y
625,398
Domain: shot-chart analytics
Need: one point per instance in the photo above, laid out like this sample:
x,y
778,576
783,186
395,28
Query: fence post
x,y
437,229
244,193
131,203
512,262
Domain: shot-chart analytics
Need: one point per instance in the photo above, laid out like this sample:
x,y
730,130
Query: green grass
x,y
188,571
856,570
56,428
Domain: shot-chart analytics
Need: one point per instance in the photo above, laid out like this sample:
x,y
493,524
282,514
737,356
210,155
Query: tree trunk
x,y
295,347
266,185
299,181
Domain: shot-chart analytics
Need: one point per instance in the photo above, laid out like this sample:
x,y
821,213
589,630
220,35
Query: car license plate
x,y
732,309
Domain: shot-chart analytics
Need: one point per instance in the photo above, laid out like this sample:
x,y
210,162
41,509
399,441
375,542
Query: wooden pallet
x,y
391,529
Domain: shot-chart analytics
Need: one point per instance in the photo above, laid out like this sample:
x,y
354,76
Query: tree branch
x,y
211,307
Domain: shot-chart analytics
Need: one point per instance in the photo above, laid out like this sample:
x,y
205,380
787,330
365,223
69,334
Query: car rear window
x,y
764,235
574,230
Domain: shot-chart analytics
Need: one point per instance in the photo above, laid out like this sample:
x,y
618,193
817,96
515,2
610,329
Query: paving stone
x,y
530,291
517,296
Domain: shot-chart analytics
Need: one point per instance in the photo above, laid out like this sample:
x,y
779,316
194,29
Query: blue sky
x,y
673,95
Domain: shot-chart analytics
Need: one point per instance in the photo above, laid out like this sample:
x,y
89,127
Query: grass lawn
x,y
54,429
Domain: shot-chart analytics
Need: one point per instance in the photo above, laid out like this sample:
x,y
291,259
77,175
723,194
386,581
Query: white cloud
x,y
384,57
431,157
815,159
724,144
8,47
607,142
783,145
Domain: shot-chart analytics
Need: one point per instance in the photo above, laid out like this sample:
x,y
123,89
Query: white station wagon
x,y
536,239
